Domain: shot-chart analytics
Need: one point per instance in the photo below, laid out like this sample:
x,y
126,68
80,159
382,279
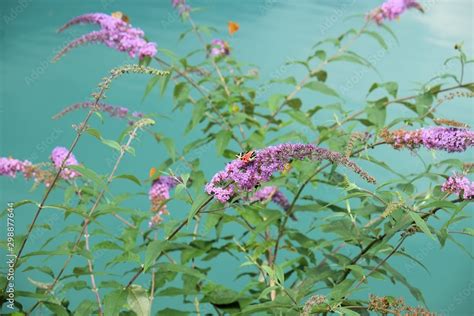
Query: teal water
x,y
272,32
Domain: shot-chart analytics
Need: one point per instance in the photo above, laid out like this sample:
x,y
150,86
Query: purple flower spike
x,y
271,193
459,185
57,157
10,167
241,176
392,9
450,139
114,32
158,194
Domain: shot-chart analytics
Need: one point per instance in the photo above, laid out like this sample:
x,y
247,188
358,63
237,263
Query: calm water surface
x,y
272,32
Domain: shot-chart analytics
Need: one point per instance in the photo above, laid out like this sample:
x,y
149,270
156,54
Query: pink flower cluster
x,y
450,139
10,167
244,176
219,48
460,185
392,9
159,193
114,32
57,157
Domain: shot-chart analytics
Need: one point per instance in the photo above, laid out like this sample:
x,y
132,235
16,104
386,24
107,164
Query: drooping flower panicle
x,y
114,32
114,111
450,139
158,194
271,193
240,176
392,9
219,48
10,166
57,157
459,185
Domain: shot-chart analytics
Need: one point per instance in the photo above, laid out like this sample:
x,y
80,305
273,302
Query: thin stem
x,y
320,67
216,67
298,193
95,290
153,272
358,113
95,205
195,232
380,238
169,237
205,94
394,250
79,133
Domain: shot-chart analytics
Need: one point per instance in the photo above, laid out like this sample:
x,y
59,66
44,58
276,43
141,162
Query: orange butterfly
x,y
233,27
152,172
121,16
247,156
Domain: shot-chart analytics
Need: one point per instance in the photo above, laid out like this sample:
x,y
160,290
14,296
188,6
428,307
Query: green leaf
x,y
86,308
391,87
164,84
274,101
57,309
172,312
164,267
139,301
377,37
199,109
114,301
289,80
346,312
170,148
222,141
198,202
89,175
130,177
94,132
153,250
423,103
151,84
112,144
468,231
377,113
421,224
322,88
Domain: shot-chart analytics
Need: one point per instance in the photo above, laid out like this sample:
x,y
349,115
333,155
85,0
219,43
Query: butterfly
x,y
121,16
152,172
233,27
248,156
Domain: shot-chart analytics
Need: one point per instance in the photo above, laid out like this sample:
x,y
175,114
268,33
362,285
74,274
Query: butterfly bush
x,y
114,33
10,166
460,185
392,9
158,194
241,176
57,157
219,48
450,139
